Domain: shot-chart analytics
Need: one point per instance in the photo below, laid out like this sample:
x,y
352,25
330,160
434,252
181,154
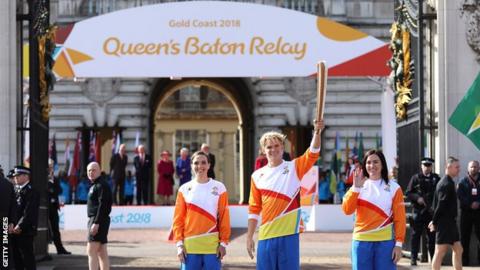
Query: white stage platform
x,y
318,218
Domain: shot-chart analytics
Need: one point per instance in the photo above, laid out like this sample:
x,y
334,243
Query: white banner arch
x,y
214,39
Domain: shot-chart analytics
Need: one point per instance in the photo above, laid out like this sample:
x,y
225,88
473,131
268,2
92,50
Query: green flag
x,y
466,117
361,148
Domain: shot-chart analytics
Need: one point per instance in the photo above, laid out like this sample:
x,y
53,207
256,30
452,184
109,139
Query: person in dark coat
x,y
444,220
143,164
468,192
53,191
99,206
183,167
7,214
118,164
211,158
420,191
26,219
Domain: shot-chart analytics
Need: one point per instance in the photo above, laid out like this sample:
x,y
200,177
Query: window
x,y
191,139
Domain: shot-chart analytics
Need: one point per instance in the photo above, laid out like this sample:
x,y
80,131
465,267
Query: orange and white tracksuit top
x,y
275,196
379,209
201,220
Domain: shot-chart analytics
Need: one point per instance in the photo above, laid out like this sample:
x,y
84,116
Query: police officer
x,y
26,217
53,190
468,193
420,192
7,210
99,206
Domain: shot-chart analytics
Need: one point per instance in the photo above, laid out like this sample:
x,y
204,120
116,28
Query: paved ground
x,y
149,249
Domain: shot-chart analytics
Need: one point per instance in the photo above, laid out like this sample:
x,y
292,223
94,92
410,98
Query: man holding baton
x,y
275,196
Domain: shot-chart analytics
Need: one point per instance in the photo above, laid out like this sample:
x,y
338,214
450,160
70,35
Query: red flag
x,y
75,165
98,149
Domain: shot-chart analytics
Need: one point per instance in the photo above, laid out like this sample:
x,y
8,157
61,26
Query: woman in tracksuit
x,y
380,223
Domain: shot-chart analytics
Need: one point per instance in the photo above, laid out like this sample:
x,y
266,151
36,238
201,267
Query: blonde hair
x,y
272,135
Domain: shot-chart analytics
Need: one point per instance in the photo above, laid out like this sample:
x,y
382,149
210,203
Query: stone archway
x,y
238,93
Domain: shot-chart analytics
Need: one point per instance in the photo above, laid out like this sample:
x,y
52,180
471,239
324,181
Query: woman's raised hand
x,y
358,178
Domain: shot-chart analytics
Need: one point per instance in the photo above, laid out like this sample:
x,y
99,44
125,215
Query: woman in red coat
x,y
165,171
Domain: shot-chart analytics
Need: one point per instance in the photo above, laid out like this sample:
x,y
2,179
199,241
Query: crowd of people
x,y
135,188
201,223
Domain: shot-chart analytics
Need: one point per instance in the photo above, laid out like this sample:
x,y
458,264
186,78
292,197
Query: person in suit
x,y
118,163
7,213
54,190
26,219
143,164
444,219
211,157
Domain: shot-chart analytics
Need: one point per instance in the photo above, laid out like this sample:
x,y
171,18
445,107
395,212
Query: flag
x,y
355,147
378,142
117,143
74,169
52,153
114,138
466,117
92,155
360,148
335,165
347,156
75,164
66,156
98,148
26,149
137,141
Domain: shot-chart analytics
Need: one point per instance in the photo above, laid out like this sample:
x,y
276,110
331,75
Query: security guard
x,y
468,193
26,217
7,210
420,192
53,190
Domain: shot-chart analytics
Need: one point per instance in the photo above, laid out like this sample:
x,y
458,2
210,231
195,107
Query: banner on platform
x,y
309,187
214,39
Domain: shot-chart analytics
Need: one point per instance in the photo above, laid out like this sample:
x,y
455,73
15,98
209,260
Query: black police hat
x,y
18,170
10,174
427,161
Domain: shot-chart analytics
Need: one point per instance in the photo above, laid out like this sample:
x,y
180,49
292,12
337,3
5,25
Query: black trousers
x,y
469,219
143,190
119,187
419,227
23,252
55,229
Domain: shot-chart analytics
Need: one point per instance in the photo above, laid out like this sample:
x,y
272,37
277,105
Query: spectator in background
x,y
323,188
182,167
129,187
261,159
165,178
341,188
118,163
82,190
468,194
211,157
53,191
65,195
143,163
394,174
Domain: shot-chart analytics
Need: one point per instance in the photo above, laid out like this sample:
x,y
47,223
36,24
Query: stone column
x,y
8,87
